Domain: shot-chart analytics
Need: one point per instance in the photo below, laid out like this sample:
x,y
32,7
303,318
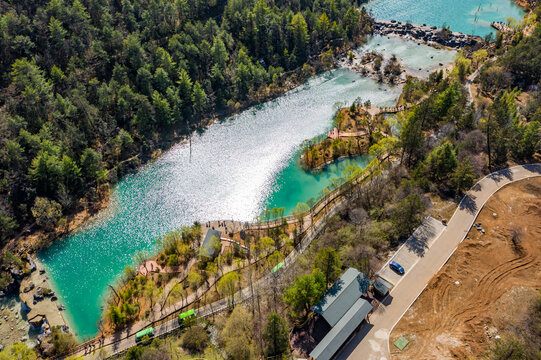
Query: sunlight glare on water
x,y
237,166
230,175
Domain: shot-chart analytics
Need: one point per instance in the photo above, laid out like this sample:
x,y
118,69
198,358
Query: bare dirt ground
x,y
489,281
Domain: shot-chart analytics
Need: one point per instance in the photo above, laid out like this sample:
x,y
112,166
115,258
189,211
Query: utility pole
x,y
488,145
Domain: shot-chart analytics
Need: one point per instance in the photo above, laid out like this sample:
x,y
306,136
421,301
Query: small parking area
x,y
413,250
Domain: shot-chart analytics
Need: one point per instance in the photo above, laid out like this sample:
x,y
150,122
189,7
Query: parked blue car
x,y
396,267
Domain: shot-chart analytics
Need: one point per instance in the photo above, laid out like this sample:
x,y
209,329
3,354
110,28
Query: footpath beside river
x,y
231,171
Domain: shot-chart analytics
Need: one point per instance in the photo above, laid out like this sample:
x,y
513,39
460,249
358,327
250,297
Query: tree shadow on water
x,y
468,204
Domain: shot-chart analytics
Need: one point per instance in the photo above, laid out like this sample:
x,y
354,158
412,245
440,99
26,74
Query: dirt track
x,y
496,281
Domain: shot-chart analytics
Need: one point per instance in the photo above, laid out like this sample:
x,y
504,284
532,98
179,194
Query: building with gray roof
x,y
338,335
339,298
382,286
211,245
344,310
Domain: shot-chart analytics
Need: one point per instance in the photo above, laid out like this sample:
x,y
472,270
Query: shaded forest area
x,y
91,89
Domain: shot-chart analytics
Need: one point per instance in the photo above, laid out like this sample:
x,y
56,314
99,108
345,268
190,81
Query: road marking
x,y
465,233
383,269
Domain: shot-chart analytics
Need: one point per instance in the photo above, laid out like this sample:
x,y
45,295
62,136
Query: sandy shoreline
x,y
17,326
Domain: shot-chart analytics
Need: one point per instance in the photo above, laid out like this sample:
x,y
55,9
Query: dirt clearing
x,y
486,285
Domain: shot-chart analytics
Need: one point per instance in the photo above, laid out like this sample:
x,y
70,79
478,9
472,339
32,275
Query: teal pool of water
x,y
294,185
418,59
235,166
466,16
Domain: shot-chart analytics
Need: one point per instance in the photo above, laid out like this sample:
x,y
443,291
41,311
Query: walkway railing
x,y
309,234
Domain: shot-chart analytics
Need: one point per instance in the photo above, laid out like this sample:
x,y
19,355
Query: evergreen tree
x,y
162,108
299,29
46,172
441,161
199,98
463,176
328,262
275,335
91,165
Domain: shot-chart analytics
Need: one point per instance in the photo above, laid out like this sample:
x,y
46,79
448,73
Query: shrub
x,y
46,212
173,260
63,342
195,339
5,280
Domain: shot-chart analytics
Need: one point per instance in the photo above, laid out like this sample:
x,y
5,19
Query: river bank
x,y
234,180
233,183
464,16
355,130
14,326
362,125
33,240
430,35
87,209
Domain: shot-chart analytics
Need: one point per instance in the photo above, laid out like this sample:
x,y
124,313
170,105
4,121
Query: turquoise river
x,y
237,167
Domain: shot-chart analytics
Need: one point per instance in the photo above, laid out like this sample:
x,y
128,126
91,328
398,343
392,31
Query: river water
x,y
237,167
471,17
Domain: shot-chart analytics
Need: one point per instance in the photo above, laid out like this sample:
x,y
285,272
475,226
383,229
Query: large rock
x,y
16,273
31,263
47,349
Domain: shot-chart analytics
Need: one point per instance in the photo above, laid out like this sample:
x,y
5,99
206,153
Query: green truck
x,y
277,267
146,332
186,315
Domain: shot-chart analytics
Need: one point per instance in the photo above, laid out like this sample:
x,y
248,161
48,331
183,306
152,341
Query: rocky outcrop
x,y
427,34
502,27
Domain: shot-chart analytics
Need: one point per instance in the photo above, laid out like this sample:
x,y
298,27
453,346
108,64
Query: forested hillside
x,y
92,87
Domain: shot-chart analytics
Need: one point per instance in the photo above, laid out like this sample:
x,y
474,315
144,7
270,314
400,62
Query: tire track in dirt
x,y
448,320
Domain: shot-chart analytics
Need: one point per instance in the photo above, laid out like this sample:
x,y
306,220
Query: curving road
x,y
374,336
371,342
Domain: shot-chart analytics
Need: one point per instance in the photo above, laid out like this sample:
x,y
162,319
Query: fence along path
x,y
125,339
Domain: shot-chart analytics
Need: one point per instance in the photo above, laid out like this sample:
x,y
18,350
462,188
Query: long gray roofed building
x,y
339,298
342,330
344,310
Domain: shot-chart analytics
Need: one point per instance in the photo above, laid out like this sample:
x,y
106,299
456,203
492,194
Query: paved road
x,y
372,340
413,249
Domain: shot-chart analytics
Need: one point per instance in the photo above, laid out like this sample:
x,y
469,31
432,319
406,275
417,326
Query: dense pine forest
x,y
90,89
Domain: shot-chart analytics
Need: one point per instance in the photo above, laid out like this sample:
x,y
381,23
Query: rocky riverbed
x,y
430,35
377,66
13,323
28,307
